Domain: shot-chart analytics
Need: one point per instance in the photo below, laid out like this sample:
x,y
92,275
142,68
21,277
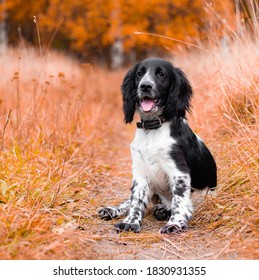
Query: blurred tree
x,y
19,18
97,30
85,25
178,19
3,29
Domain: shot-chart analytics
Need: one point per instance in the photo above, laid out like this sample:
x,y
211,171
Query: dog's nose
x,y
146,86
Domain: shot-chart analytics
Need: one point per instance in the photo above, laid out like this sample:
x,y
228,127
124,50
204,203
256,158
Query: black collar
x,y
151,124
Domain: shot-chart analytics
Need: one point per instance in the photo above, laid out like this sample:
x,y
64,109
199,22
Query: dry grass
x,y
64,153
56,123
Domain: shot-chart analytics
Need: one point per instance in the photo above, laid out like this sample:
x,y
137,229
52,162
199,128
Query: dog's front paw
x,y
174,228
124,226
107,213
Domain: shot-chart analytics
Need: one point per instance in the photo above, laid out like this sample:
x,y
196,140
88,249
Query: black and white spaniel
x,y
169,161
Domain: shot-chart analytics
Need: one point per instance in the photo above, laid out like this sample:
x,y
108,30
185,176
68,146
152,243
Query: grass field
x,y
65,152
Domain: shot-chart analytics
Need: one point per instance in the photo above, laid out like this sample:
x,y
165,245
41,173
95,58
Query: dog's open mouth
x,y
147,104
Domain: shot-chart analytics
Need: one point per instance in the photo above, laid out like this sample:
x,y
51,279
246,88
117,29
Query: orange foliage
x,y
177,19
90,28
85,23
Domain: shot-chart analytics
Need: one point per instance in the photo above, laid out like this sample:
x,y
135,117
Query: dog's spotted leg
x,y
109,213
140,197
181,207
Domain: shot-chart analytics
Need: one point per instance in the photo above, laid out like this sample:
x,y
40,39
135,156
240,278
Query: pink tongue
x,y
147,104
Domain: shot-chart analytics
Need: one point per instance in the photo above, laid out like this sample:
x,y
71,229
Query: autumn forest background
x,y
64,149
99,30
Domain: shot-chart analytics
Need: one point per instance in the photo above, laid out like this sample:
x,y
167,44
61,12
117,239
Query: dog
x,y
169,160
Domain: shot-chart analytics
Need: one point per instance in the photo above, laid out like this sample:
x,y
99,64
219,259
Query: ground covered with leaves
x,y
65,153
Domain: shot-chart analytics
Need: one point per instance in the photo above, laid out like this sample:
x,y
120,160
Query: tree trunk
x,y
3,30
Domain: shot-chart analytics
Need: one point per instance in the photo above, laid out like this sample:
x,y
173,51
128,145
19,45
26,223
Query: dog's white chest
x,y
151,153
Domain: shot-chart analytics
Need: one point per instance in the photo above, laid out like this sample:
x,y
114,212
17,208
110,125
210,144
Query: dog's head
x,y
155,88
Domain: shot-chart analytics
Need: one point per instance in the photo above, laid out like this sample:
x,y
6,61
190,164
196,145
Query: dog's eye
x,y
161,74
139,73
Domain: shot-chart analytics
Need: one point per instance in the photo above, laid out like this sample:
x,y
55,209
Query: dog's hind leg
x,y
161,213
109,213
162,207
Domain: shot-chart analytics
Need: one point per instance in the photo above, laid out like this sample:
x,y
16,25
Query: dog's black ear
x,y
180,93
129,94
